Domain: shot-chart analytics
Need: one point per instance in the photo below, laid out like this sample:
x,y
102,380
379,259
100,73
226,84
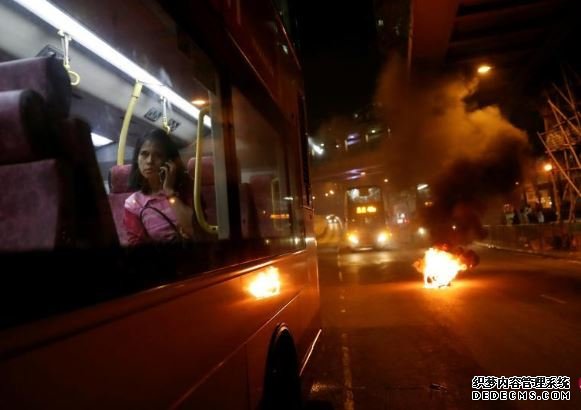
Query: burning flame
x,y
439,267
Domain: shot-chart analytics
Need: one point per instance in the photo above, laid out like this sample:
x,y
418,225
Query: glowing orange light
x,y
279,216
371,209
439,267
548,167
199,102
484,69
265,284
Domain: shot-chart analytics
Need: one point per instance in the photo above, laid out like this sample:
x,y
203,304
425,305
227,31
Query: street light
x,y
548,168
484,69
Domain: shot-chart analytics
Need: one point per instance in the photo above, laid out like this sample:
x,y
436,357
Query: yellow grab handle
x,y
126,121
200,217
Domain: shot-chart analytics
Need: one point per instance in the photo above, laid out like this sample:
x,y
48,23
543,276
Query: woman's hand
x,y
168,170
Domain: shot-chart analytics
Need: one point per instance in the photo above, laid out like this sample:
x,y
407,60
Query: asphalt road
x,y
389,343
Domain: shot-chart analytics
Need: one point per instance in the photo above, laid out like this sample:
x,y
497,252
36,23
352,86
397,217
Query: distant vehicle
x,y
365,219
333,219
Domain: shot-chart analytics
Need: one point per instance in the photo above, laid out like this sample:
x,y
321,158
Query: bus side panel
x,y
225,389
257,354
157,356
301,316
148,359
310,299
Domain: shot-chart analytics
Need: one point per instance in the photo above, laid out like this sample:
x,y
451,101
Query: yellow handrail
x,y
277,212
126,121
198,210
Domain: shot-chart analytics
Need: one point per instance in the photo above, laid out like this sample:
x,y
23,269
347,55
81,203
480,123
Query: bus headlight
x,y
352,238
382,237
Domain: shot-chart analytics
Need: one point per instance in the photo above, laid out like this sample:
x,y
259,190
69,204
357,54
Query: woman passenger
x,y
158,210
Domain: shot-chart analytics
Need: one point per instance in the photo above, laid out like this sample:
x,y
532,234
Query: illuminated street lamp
x,y
483,69
548,168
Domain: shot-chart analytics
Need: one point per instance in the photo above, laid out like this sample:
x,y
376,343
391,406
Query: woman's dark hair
x,y
170,150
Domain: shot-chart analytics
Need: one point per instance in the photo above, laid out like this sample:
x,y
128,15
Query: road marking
x,y
348,404
553,299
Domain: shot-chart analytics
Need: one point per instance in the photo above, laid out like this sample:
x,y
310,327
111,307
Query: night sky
x,y
338,54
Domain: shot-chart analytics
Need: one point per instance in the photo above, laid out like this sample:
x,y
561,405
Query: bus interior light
x,y
99,140
63,22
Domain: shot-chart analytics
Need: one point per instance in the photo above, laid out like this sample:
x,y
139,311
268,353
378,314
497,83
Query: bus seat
x,y
119,192
35,212
45,75
67,141
96,227
208,191
261,190
119,179
23,126
35,205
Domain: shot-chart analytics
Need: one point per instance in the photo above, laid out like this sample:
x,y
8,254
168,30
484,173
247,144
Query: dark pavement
x,y
389,343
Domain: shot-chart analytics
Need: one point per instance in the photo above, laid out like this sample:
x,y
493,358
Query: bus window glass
x,y
262,154
128,80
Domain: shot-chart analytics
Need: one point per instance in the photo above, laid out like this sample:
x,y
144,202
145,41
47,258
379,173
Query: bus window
x,y
263,156
130,79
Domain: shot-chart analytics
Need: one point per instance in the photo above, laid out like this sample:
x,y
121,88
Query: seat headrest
x,y
45,75
119,179
24,131
207,169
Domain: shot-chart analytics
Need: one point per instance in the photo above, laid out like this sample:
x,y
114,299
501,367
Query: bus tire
x,y
282,387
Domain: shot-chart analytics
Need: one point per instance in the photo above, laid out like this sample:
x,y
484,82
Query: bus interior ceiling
x,y
102,96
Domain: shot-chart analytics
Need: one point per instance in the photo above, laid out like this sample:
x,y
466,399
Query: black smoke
x,y
469,156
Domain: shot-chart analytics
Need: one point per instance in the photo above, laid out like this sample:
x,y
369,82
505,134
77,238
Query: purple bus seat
x,y
119,192
49,134
23,124
45,75
35,206
208,191
95,221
